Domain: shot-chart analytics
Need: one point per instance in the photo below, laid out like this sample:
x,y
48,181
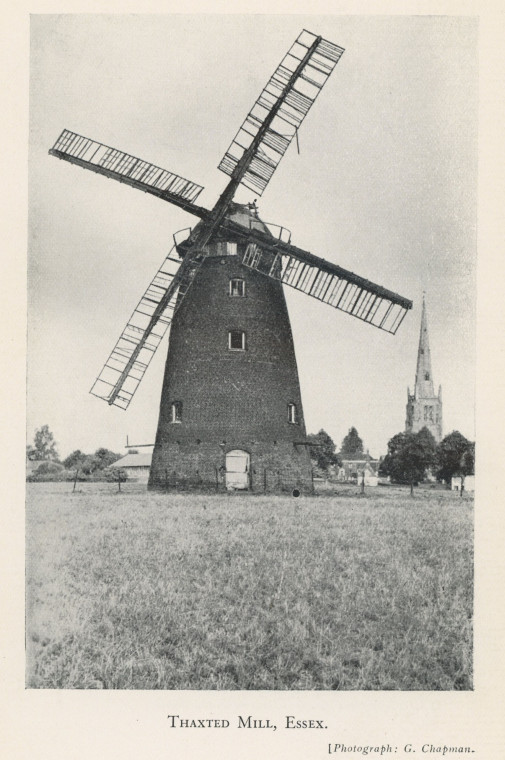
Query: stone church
x,y
424,408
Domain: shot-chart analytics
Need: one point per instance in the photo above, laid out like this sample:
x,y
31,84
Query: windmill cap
x,y
246,214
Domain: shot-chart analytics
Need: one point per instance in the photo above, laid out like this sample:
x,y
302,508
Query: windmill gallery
x,y
231,406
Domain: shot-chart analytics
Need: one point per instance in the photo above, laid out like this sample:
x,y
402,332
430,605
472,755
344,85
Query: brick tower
x,y
424,409
231,410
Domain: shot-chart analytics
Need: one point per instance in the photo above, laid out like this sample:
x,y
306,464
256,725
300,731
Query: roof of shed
x,y
134,460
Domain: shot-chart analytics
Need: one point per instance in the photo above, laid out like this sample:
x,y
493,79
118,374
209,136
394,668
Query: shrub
x,y
49,468
112,474
50,472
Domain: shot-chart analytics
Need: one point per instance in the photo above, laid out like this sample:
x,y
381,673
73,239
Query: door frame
x,y
247,472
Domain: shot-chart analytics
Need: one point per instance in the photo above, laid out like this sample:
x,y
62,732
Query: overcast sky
x,y
385,186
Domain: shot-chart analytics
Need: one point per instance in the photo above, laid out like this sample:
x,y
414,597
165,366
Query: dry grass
x,y
152,591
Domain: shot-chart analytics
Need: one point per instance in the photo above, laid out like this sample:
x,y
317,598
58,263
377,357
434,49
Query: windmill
x,y
231,407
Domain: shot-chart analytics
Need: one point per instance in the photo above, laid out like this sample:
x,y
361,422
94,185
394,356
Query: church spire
x,y
424,409
424,378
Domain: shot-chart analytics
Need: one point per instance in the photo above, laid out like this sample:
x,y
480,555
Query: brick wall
x,y
231,399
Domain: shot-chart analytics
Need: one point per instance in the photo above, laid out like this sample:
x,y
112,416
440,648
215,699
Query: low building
x,y
468,485
136,465
353,471
369,476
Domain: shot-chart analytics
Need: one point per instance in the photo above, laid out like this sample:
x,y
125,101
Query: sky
x,y
385,185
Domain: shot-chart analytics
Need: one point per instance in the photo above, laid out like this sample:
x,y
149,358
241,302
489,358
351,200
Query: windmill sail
x,y
329,283
132,354
133,171
279,111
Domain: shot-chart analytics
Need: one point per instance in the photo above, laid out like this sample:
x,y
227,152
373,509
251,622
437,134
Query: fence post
x,y
118,479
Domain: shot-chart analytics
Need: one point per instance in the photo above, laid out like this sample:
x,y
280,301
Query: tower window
x,y
252,256
224,248
236,340
292,414
426,375
237,287
176,411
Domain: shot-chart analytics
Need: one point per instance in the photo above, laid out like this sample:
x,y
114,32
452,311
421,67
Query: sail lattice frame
x,y
129,359
115,164
330,284
296,86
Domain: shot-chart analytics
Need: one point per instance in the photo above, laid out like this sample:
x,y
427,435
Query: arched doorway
x,y
237,469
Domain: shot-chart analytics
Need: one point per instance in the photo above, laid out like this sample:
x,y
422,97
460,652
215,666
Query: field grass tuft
x,y
182,591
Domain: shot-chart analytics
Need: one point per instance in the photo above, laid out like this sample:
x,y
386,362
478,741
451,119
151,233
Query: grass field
x,y
133,590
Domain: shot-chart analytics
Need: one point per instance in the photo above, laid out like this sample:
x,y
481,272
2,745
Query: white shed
x,y
469,484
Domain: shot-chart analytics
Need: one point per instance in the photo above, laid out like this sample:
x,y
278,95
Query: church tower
x,y
424,409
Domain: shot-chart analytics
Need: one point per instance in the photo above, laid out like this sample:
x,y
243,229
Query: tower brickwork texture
x,y
231,380
424,408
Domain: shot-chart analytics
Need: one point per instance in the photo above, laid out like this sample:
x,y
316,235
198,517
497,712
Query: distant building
x,y
424,409
469,484
136,465
369,476
352,471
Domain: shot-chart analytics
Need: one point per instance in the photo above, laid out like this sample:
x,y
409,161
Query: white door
x,y
237,469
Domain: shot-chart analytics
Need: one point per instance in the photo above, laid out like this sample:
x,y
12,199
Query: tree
x,y
428,442
74,460
44,446
455,456
48,467
352,446
89,463
467,463
104,458
409,456
322,452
